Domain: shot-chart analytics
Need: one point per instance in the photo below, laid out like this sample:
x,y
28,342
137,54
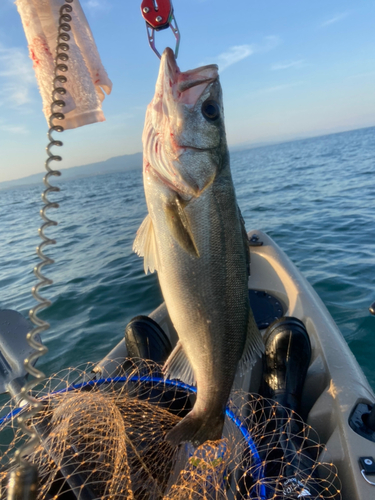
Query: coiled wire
x,y
41,325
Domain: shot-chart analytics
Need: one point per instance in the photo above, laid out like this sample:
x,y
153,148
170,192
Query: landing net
x,y
104,438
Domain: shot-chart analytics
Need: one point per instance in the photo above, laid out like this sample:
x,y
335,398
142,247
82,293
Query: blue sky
x,y
289,68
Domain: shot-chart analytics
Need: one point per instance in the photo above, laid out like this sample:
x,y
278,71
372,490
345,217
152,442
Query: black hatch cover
x,y
266,308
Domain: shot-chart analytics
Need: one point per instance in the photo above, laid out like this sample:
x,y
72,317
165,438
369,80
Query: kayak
x,y
301,420
336,399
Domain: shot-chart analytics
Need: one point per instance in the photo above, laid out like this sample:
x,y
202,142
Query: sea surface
x,y
315,197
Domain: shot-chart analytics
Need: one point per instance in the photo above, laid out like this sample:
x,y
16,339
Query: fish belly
x,y
206,298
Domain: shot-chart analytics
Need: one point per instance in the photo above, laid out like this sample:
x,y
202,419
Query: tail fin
x,y
196,429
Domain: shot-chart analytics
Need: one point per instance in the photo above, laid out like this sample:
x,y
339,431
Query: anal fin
x,y
254,345
178,366
245,240
145,245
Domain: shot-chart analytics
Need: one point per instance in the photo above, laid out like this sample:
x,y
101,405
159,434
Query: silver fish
x,y
195,238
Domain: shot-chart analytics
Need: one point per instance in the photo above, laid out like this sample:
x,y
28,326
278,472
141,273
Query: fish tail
x,y
196,429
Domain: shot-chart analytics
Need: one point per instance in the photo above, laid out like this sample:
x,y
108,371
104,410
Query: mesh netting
x,y
105,439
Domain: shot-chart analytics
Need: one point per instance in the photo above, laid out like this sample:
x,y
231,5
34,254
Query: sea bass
x,y
195,238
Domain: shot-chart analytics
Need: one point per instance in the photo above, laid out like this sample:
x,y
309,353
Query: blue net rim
x,y
171,383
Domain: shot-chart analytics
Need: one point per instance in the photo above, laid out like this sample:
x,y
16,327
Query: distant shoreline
x,y
125,163
112,165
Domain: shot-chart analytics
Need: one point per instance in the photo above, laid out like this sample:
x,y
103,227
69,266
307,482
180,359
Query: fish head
x,y
184,136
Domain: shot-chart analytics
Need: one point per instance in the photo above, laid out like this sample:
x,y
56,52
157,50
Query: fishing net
x,y
104,438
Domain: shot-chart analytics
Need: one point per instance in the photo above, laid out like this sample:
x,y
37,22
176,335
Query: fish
x,y
194,237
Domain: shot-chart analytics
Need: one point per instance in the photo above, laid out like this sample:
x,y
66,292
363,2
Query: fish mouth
x,y
176,94
188,86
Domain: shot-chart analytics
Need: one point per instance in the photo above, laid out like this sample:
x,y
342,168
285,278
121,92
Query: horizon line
x,y
241,146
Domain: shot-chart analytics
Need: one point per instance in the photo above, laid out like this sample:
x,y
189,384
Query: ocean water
x,y
315,197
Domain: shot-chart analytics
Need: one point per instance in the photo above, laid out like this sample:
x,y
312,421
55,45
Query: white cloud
x,y
14,62
95,5
7,127
270,42
334,19
92,4
362,75
20,96
233,55
14,130
14,96
16,77
239,52
288,64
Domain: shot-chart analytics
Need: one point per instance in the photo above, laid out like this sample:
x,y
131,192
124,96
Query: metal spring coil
x,y
59,79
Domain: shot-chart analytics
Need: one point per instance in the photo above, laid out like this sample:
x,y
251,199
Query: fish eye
x,y
211,110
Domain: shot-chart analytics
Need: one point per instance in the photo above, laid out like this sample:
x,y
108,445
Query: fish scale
x,y
194,237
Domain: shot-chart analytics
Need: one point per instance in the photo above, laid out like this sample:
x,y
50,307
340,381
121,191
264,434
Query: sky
x,y
288,68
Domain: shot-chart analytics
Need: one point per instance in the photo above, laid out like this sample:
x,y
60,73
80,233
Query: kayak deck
x,y
335,383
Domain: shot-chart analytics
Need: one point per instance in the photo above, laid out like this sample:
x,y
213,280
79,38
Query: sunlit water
x,y
315,197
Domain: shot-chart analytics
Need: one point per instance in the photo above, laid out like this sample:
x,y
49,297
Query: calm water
x,y
314,197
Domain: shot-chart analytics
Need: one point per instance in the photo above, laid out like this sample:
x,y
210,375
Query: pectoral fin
x,y
254,345
179,226
178,367
145,245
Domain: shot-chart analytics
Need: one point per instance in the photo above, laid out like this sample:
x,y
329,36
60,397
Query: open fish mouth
x,y
186,87
176,127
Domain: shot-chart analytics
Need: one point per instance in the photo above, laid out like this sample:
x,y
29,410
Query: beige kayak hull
x,y
335,383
